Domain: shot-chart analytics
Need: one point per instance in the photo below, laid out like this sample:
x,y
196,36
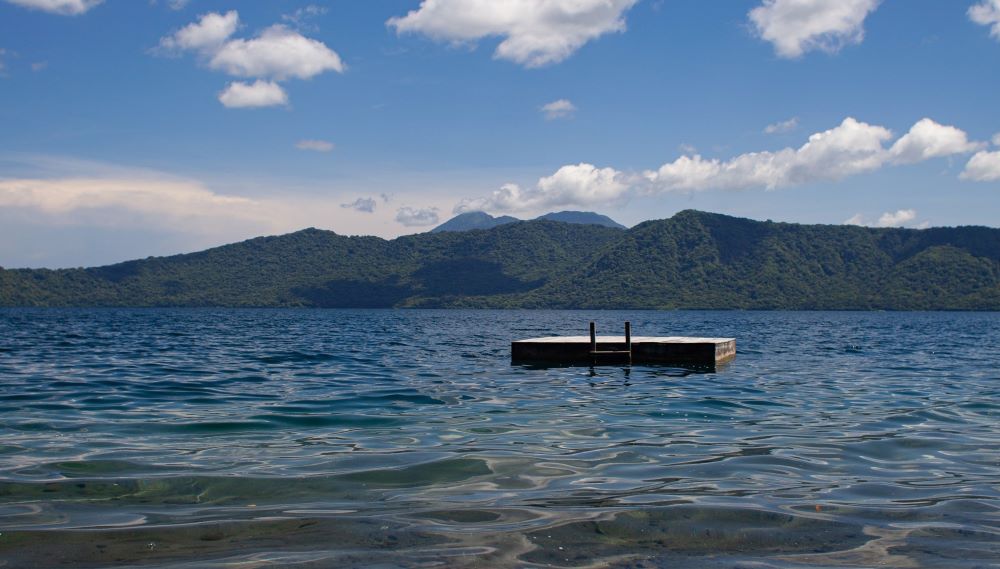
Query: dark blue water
x,y
220,438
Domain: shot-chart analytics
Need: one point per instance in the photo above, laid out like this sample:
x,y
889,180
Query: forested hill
x,y
692,260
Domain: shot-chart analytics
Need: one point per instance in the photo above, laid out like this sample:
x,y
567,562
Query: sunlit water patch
x,y
208,438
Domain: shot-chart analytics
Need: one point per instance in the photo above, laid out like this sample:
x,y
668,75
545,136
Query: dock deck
x,y
644,350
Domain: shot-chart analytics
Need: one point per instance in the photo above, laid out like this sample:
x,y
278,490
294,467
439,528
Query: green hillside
x,y
692,260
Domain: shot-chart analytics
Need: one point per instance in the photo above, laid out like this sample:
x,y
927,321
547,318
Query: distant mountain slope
x,y
482,220
583,218
473,220
692,260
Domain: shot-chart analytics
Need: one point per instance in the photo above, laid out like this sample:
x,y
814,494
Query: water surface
x,y
308,438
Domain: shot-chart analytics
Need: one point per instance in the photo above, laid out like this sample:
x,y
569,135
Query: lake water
x,y
307,438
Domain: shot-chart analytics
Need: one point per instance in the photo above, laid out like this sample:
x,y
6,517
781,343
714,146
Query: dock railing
x,y
596,355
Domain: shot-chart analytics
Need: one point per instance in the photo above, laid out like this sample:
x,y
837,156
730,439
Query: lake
x,y
394,438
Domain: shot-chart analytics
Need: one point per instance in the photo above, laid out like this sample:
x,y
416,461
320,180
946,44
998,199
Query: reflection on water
x,y
208,438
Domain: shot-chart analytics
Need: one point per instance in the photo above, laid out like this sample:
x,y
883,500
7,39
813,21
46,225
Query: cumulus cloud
x,y
240,95
61,7
996,139
535,32
207,34
987,13
782,127
581,184
983,167
417,217
366,205
897,218
561,109
795,27
315,145
851,148
277,54
928,139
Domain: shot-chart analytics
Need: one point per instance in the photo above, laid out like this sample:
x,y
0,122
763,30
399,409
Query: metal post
x,y
593,337
628,341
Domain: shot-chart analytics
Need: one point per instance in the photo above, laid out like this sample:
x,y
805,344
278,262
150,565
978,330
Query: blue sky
x,y
136,128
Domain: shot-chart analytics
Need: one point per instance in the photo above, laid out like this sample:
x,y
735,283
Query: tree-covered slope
x,y
692,260
700,260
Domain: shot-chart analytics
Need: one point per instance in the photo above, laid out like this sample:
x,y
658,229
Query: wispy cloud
x,y
782,126
561,109
315,145
60,7
366,205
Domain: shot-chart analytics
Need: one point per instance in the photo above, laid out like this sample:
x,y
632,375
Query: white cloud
x,y
928,139
581,184
996,139
315,145
851,148
413,217
208,33
898,218
240,95
278,53
300,17
62,7
856,219
983,167
366,205
535,32
797,26
782,127
561,109
159,197
987,13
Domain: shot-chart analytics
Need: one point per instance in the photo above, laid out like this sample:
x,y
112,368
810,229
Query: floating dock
x,y
626,349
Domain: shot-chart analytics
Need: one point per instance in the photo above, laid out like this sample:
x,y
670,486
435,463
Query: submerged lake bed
x,y
407,438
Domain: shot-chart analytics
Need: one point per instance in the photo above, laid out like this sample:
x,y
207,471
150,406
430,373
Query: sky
x,y
135,128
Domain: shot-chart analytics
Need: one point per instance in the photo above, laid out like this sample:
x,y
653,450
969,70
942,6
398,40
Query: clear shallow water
x,y
203,438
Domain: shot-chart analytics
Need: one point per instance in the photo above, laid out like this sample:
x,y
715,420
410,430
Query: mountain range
x,y
693,260
481,220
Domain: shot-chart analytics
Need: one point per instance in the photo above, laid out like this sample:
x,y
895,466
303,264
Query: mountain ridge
x,y
472,220
689,261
